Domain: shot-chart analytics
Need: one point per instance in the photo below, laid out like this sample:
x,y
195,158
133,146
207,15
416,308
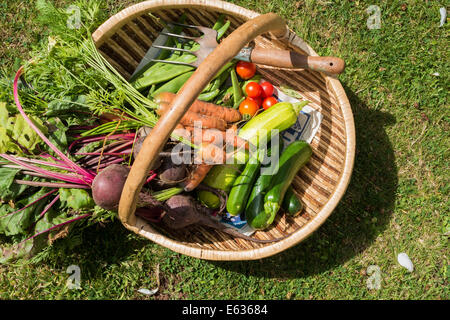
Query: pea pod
x,y
208,96
293,158
173,85
222,30
164,73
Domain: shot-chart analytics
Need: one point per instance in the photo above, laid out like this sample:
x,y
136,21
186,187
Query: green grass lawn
x,y
397,82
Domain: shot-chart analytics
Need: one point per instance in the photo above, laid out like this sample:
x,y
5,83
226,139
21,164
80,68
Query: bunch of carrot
x,y
211,127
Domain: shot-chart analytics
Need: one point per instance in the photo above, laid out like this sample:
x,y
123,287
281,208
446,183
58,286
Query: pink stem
x,y
103,165
49,206
153,176
104,153
45,163
52,184
30,204
85,173
124,136
57,226
59,176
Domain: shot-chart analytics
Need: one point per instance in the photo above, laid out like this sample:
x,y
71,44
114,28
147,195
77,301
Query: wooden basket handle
x,y
155,141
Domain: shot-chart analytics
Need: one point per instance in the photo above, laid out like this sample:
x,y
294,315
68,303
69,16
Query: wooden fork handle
x,y
291,59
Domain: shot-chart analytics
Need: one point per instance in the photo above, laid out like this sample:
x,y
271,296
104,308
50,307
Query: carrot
x,y
196,177
164,99
194,119
219,137
209,153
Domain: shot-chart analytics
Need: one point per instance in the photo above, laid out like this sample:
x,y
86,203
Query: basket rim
x,y
142,228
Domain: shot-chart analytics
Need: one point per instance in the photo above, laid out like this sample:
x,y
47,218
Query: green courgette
x,y
280,116
242,186
219,177
291,203
255,215
293,158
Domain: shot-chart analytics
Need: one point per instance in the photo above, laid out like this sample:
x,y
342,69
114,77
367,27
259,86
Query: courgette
x,y
242,186
291,203
293,158
219,177
280,116
255,215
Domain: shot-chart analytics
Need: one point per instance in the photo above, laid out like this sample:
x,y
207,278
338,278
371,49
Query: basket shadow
x,y
362,214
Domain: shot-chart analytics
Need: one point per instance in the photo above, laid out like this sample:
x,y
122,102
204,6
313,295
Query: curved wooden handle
x,y
155,141
291,59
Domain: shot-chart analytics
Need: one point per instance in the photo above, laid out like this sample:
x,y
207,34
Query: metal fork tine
x,y
174,49
174,62
178,35
183,25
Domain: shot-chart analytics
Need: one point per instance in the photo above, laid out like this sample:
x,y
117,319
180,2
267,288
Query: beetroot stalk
x,y
87,175
31,203
52,184
57,226
59,176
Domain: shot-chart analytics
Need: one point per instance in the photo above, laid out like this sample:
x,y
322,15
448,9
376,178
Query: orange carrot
x,y
164,99
209,153
218,137
194,119
196,177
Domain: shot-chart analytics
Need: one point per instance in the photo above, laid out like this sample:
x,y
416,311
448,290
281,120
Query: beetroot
x,y
107,186
183,211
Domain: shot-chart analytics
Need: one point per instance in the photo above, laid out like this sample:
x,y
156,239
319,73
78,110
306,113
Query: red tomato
x,y
258,100
268,102
245,69
248,107
253,90
267,88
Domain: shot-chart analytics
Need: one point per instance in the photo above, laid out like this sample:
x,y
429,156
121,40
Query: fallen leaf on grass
x,y
404,261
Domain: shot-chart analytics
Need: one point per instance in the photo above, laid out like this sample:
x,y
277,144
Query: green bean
x,y
237,91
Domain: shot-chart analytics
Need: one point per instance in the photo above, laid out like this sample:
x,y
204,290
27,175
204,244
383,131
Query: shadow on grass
x,y
362,214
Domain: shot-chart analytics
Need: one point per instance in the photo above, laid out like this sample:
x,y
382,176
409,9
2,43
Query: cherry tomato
x,y
268,102
267,88
258,100
245,69
248,107
253,90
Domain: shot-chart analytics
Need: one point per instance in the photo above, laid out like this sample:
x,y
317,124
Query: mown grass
x,y
397,82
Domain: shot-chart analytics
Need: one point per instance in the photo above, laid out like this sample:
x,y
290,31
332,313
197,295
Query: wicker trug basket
x,y
125,38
